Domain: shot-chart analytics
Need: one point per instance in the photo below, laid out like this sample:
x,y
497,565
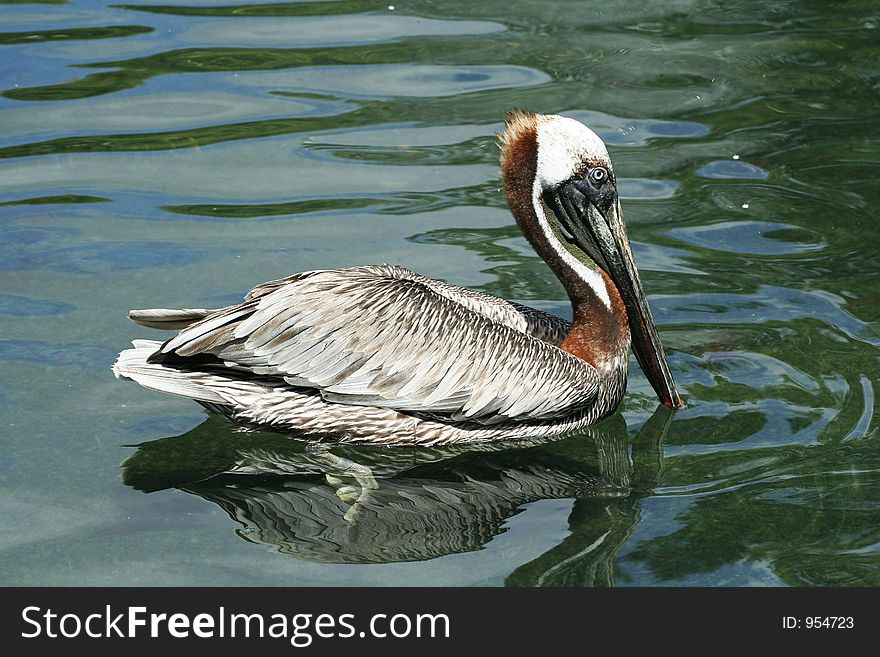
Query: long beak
x,y
603,236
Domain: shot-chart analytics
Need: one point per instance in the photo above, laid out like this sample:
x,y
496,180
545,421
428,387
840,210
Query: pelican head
x,y
558,163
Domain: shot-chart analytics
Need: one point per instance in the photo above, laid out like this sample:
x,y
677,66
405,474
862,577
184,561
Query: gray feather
x,y
384,336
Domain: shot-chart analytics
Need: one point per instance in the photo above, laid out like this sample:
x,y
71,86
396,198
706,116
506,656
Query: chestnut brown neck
x,y
599,334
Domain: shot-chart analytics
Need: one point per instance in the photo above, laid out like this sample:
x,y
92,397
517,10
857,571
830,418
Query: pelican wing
x,y
379,336
534,322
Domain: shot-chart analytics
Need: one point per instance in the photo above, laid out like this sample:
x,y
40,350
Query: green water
x,y
174,156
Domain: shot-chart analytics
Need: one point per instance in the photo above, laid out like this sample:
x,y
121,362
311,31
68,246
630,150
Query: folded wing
x,y
383,336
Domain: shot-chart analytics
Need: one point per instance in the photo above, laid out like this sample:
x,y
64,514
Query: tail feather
x,y
132,364
164,318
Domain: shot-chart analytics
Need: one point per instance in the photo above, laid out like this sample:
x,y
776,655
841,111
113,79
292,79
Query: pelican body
x,y
380,354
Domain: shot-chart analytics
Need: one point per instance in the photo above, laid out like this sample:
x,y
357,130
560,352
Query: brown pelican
x,y
380,354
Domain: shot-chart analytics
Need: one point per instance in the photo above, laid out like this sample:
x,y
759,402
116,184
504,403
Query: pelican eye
x,y
598,175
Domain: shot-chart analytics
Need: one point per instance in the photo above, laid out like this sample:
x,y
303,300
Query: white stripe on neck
x,y
589,276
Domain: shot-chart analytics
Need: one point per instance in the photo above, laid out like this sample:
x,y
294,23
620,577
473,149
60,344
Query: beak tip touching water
x,y
675,404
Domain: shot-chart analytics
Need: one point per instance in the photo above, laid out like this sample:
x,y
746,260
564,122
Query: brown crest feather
x,y
518,125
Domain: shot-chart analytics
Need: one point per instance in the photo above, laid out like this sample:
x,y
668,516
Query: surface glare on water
x,y
158,155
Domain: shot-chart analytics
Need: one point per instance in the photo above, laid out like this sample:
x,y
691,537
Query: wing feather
x,y
384,336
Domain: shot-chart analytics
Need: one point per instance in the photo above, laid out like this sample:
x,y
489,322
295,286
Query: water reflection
x,y
344,504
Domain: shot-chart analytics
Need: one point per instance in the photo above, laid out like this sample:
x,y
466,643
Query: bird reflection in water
x,y
344,504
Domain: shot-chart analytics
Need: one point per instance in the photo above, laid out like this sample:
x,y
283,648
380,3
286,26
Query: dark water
x,y
176,155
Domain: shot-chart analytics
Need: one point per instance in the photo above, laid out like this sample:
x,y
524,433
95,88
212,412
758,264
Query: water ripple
x,y
643,188
750,237
325,31
159,110
54,36
619,131
735,169
767,302
756,370
388,80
